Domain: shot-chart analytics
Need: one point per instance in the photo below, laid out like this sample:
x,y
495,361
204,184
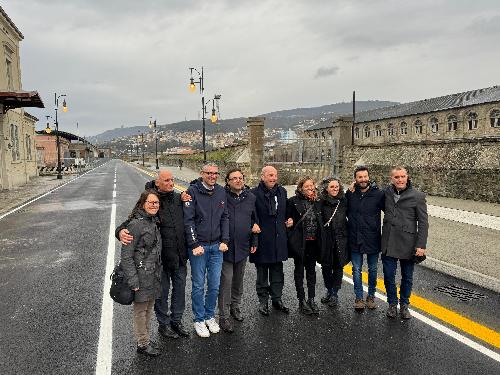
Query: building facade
x,y
17,127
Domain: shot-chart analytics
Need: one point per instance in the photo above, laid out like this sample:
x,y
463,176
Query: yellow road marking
x,y
446,315
454,319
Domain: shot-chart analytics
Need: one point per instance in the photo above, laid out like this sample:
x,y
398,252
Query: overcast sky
x,y
122,61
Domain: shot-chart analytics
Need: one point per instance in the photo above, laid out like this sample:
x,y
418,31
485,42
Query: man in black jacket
x,y
364,207
173,253
271,211
242,242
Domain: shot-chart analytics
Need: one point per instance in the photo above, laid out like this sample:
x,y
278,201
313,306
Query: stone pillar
x,y
255,127
342,136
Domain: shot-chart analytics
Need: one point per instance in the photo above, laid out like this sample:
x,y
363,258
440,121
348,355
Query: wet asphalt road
x,y
52,266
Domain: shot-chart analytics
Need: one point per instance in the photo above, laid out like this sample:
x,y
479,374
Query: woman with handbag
x,y
304,241
141,264
334,249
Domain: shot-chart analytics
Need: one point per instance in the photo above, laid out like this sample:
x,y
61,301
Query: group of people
x,y
217,228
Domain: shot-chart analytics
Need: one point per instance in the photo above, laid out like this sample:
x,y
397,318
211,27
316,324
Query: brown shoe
x,y
370,302
404,312
359,304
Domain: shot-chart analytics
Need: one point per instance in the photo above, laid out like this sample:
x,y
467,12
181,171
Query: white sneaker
x,y
212,325
201,329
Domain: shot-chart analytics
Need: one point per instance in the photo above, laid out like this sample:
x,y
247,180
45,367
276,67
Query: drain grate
x,y
463,294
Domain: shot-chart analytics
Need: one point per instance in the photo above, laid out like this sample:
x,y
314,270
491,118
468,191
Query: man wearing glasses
x,y
206,225
173,254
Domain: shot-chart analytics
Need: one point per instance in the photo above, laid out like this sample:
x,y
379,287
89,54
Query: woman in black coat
x,y
334,249
304,241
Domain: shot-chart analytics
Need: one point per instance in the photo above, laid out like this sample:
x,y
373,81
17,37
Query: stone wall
x,y
465,169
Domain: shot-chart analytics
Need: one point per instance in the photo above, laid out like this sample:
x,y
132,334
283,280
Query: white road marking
x,y
466,217
47,193
441,328
105,346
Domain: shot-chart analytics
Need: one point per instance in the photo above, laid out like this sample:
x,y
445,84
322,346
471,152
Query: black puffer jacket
x,y
141,260
334,238
296,208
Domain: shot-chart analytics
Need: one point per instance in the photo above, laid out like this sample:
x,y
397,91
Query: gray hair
x,y
209,164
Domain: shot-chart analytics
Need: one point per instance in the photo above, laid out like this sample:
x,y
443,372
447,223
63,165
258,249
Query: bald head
x,y
165,181
269,176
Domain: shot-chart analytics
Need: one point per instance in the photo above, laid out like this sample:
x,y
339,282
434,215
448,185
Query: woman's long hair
x,y
302,181
142,200
324,185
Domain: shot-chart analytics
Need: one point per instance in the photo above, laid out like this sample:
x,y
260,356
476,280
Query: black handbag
x,y
417,259
120,291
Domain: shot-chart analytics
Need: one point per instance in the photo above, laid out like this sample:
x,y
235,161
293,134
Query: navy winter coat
x,y
272,238
242,216
364,219
205,216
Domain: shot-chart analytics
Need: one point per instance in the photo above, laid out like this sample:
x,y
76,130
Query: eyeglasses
x,y
211,173
153,203
236,178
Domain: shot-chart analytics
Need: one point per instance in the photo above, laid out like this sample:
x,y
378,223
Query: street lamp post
x,y
192,88
58,141
142,138
152,124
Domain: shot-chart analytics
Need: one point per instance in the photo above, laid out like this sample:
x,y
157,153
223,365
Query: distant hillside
x,y
278,119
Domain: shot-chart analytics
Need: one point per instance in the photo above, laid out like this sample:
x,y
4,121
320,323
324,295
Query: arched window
x,y
390,129
330,133
434,125
452,123
472,120
378,131
323,134
403,128
495,118
315,135
367,132
418,127
356,132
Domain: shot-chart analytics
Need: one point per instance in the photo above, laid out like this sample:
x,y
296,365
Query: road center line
x,y
105,346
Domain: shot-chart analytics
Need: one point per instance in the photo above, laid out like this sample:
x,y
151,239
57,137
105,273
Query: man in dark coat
x,y
242,242
404,235
271,211
206,225
173,254
364,207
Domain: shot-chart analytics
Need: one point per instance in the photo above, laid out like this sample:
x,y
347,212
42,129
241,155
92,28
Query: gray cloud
x,y
121,61
325,72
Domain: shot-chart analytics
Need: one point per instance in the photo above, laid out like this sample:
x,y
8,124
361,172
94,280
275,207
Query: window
x,y
367,132
403,128
472,120
418,127
390,129
378,131
356,132
323,134
433,123
8,63
495,118
28,147
452,123
14,142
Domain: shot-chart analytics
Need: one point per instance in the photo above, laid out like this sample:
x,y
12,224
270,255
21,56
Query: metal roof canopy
x,y
18,99
66,135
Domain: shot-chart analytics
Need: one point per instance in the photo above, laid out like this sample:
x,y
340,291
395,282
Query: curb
x,y
473,277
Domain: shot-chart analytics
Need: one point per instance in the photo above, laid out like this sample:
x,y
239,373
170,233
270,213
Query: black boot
x,y
314,308
264,308
148,350
304,308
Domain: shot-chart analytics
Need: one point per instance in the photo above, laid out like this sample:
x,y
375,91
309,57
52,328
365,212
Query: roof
x,y
17,99
11,23
463,99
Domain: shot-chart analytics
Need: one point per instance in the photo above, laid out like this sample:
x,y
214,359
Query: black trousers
x,y
270,281
308,263
332,276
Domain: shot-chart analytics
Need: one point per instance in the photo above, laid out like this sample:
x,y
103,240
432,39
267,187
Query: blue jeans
x,y
357,265
208,265
178,300
390,266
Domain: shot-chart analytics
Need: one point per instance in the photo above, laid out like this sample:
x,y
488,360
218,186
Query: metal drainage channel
x,y
463,294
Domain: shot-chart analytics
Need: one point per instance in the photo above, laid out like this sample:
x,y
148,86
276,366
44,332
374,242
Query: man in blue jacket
x,y
207,234
271,211
242,242
364,207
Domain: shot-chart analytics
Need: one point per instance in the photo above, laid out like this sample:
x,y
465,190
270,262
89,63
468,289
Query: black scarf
x,y
270,195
